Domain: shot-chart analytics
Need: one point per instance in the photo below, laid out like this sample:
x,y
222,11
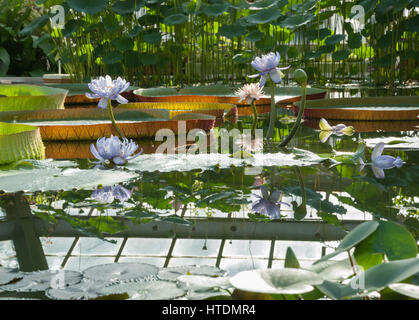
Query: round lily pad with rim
x,y
121,272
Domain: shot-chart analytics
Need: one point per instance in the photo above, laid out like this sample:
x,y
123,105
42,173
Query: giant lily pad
x,y
223,94
369,108
276,281
43,280
219,110
77,92
29,97
145,290
84,290
18,141
121,272
58,175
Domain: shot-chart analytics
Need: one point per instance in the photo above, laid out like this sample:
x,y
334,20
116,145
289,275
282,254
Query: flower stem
x,y
255,115
121,135
272,116
299,117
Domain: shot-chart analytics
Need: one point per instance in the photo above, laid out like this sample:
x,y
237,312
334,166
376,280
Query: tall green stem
x,y
121,135
272,116
299,117
255,115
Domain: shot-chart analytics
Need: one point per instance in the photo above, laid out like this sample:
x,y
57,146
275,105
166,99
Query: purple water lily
x,y
268,64
268,204
112,151
107,89
109,194
380,162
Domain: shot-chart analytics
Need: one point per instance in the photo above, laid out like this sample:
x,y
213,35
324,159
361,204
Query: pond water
x,y
322,183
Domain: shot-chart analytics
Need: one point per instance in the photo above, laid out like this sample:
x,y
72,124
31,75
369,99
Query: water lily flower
x,y
109,194
250,92
268,204
327,130
380,162
113,151
268,64
107,89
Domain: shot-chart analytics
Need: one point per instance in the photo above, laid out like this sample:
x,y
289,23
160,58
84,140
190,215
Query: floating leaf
x,y
84,290
120,272
7,275
145,290
43,280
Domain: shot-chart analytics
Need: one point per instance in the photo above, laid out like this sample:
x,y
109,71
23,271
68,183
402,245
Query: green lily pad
x,y
175,19
18,142
30,97
264,16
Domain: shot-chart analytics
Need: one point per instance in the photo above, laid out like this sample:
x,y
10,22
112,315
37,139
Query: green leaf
x,y
4,61
335,39
340,55
113,57
264,16
135,31
294,21
214,10
266,43
231,31
91,6
365,256
34,25
291,260
406,289
395,241
127,7
111,23
255,35
148,58
122,44
318,34
354,237
153,37
355,40
175,19
71,27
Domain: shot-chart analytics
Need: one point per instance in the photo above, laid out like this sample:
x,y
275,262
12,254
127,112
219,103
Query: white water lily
x,y
268,64
107,89
250,92
109,194
339,130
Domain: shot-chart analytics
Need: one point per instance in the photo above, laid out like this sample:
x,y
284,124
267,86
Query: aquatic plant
x,y
268,204
251,92
112,151
381,162
107,90
339,130
268,65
